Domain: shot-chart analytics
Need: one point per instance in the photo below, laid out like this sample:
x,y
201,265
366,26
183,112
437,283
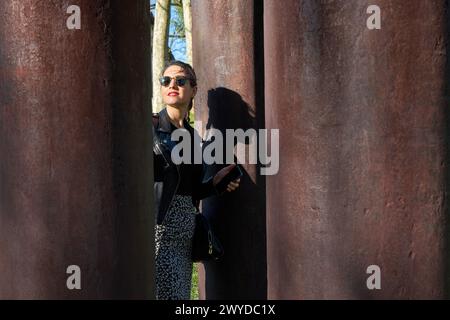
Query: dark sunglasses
x,y
180,81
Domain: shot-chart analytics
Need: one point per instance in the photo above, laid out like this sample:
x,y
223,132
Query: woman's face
x,y
175,95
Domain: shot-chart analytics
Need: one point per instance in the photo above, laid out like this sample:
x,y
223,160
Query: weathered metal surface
x,y
75,150
228,64
363,162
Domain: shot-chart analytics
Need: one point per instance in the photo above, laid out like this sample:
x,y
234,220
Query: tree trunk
x,y
160,48
187,15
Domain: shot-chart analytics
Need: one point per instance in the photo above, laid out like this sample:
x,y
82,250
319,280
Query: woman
x,y
178,188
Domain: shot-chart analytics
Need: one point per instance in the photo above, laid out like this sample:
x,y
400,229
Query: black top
x,y
167,175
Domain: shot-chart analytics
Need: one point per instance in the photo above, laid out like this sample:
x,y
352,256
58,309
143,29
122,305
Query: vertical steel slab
x,y
363,148
75,150
228,61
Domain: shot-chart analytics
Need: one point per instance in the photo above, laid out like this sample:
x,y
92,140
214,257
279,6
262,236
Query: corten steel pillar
x,y
363,161
227,55
75,150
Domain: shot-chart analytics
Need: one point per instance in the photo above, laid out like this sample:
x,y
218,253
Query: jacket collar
x,y
165,125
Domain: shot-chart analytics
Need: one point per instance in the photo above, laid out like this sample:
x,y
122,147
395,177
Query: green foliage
x,y
194,288
191,117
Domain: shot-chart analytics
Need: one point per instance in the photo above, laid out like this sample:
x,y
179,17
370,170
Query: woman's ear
x,y
194,92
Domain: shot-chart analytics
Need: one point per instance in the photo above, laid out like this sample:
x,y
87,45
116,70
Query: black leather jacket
x,y
167,174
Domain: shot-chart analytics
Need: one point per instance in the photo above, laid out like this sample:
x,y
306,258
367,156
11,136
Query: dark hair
x,y
186,68
190,72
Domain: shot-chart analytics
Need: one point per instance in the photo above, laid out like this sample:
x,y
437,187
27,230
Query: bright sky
x,y
179,45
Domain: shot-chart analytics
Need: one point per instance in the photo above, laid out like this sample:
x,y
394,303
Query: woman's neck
x,y
176,116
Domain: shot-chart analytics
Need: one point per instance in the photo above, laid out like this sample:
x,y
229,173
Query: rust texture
x,y
228,62
363,152
75,150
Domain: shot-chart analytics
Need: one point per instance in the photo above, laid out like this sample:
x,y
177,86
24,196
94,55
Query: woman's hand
x,y
233,185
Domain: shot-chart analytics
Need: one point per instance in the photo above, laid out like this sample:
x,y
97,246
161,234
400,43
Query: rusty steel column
x,y
363,148
75,150
227,55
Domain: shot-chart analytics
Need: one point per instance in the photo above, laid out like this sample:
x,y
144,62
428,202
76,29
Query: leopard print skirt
x,y
173,240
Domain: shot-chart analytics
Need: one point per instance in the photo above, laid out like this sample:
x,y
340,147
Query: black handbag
x,y
205,245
